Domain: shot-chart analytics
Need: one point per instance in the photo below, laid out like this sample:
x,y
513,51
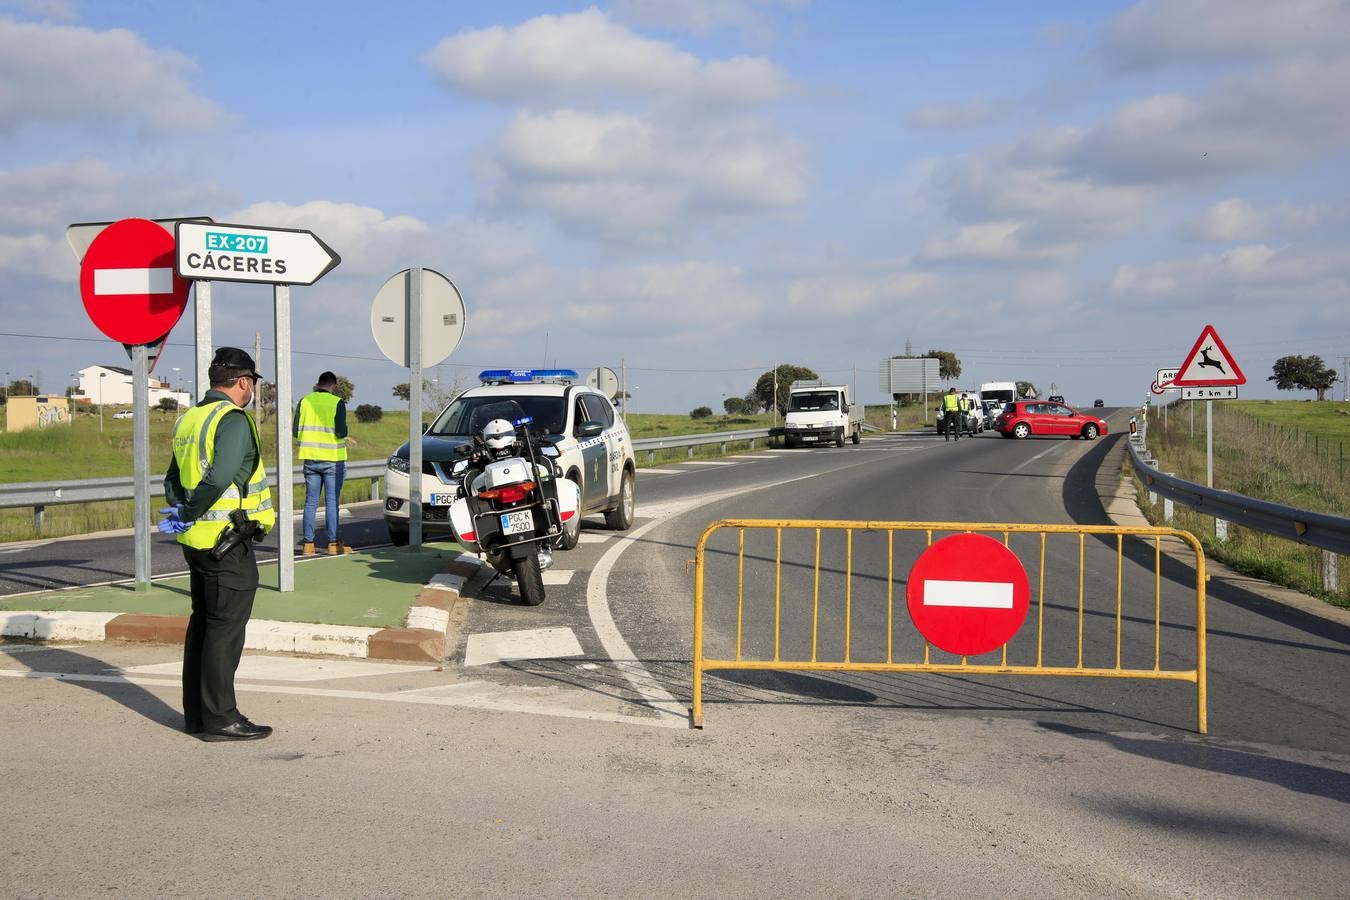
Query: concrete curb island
x,y
434,614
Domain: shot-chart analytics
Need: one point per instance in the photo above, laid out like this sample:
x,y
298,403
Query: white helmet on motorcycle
x,y
499,434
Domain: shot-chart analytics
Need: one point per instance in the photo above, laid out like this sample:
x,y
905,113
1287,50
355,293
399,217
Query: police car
x,y
593,449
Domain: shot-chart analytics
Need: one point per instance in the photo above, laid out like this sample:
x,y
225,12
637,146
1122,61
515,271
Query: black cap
x,y
231,362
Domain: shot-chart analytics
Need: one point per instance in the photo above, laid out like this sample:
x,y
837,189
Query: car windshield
x,y
467,415
813,400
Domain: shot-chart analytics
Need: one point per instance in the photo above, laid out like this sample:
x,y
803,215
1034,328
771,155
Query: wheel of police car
x,y
571,531
620,518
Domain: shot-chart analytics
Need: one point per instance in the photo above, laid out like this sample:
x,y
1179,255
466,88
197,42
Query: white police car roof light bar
x,y
526,376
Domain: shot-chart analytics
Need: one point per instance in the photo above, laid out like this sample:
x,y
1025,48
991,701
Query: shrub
x,y
367,412
702,412
168,404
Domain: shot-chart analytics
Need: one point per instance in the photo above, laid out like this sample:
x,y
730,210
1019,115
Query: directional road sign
x,y
80,235
442,319
128,284
253,253
1209,364
968,594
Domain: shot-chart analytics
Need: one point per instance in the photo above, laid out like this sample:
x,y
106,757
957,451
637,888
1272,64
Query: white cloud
x,y
634,178
846,293
1272,116
990,242
1247,274
365,238
1158,33
59,75
587,54
953,115
702,16
52,10
1236,219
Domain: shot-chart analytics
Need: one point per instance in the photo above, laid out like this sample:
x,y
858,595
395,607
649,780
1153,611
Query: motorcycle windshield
x,y
468,415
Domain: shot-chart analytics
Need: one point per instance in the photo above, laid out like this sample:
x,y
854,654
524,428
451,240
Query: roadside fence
x,y
763,600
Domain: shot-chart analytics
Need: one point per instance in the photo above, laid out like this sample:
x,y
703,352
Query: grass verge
x,y
1267,450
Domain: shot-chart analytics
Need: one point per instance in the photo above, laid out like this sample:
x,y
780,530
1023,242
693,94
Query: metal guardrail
x,y
651,445
40,494
1312,528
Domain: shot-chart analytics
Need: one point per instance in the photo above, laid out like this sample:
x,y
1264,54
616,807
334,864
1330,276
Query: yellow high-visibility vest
x,y
194,447
950,402
316,428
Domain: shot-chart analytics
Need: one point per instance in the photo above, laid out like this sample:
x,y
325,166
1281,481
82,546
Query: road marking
x,y
973,594
284,668
536,643
558,577
33,648
133,281
590,537
709,462
661,471
507,703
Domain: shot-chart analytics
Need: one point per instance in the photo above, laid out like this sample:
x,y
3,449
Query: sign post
x,y
132,295
417,320
1209,365
257,254
962,615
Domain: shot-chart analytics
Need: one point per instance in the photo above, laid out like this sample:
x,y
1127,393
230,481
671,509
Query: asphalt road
x,y
568,775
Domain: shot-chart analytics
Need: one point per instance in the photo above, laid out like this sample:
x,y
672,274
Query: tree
x,y
368,413
20,387
1026,389
949,367
762,393
266,399
700,412
736,406
344,388
403,391
1303,373
168,404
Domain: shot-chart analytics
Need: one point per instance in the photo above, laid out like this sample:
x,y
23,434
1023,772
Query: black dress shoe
x,y
243,730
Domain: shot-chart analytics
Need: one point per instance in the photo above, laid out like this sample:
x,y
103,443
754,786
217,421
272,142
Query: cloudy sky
x,y
1059,192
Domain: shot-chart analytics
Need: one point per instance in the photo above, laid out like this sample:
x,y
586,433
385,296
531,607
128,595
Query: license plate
x,y
809,437
442,499
518,522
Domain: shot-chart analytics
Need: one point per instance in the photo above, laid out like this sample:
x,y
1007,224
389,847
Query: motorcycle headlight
x,y
458,468
398,464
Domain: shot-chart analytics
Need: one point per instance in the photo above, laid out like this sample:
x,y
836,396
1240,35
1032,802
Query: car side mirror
x,y
426,426
590,429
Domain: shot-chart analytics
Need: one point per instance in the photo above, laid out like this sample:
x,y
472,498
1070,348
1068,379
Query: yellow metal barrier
x,y
703,663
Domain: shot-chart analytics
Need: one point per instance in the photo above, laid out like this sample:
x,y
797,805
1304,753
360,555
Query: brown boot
x,y
335,548
307,549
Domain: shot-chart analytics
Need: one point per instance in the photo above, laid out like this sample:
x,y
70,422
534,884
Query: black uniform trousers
x,y
222,601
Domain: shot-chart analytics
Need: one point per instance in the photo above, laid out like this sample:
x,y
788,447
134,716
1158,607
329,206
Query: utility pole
x,y
1345,379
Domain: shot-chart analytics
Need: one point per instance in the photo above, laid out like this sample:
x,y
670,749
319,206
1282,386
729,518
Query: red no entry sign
x,y
968,594
128,283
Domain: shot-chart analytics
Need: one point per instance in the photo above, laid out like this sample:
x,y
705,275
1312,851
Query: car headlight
x,y
398,464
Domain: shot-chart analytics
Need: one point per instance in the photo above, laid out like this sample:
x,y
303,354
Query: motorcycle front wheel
x,y
530,579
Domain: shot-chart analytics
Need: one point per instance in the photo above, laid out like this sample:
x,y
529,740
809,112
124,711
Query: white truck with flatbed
x,y
820,413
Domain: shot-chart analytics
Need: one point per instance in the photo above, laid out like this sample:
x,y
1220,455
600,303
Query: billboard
x,y
909,376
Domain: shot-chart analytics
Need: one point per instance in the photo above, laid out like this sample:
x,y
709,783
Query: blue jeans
x,y
328,476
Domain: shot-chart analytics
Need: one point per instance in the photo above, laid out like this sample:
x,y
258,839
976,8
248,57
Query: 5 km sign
x,y
217,252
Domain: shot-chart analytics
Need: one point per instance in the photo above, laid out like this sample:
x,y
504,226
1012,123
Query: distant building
x,y
23,413
112,386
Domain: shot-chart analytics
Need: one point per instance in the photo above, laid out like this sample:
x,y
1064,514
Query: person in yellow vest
x,y
219,504
321,431
954,409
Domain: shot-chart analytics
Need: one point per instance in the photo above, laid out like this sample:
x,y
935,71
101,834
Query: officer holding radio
x,y
219,506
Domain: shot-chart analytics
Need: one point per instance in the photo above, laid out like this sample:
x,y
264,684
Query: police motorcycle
x,y
511,500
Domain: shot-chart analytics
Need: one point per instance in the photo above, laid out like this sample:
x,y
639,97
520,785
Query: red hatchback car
x,y
1024,418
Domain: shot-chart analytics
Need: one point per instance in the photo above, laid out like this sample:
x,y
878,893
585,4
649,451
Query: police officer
x,y
321,431
952,414
217,468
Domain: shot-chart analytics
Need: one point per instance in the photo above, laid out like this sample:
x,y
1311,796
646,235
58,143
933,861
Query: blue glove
x,y
171,523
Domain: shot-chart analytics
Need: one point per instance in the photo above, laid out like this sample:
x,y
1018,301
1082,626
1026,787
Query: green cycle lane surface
x,y
373,588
